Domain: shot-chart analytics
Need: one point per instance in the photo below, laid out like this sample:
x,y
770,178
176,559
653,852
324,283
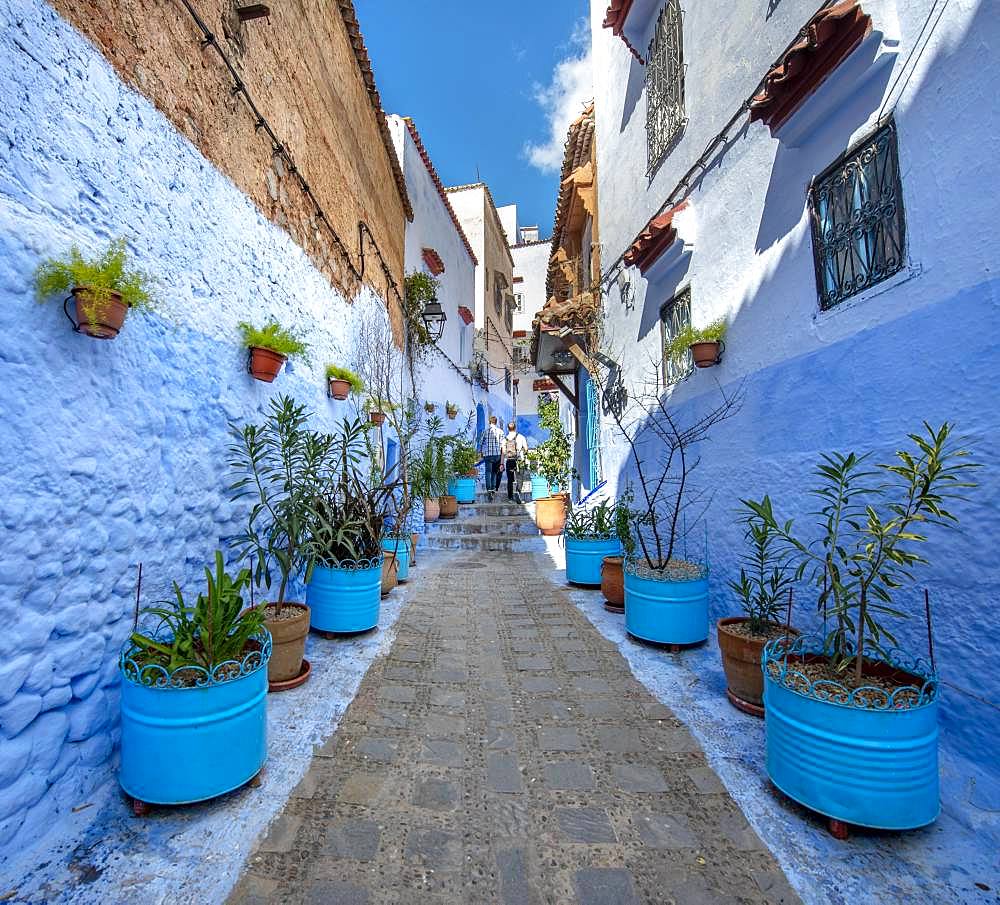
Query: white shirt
x,y
520,444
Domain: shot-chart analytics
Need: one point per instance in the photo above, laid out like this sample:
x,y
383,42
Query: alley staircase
x,y
499,526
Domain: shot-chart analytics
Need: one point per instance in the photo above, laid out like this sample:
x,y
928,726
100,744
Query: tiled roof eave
x,y
658,235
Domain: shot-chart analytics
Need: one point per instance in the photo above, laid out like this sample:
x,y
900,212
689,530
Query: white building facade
x,y
818,180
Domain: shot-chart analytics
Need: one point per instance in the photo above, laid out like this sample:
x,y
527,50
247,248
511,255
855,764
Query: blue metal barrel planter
x,y
465,490
665,610
871,760
584,557
192,734
346,598
401,547
539,488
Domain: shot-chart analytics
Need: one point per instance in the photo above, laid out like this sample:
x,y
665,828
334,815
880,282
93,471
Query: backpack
x,y
510,447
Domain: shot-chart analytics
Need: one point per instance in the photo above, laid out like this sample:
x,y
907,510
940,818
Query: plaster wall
x,y
531,263
438,376
113,453
859,377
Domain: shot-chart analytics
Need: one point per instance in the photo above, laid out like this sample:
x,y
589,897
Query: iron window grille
x,y
665,116
506,379
675,316
856,211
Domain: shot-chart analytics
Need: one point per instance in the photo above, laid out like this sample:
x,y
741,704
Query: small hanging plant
x,y
429,407
343,381
102,288
451,409
270,346
419,289
377,409
706,344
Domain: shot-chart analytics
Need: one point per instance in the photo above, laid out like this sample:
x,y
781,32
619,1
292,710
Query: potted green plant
x,y
377,409
429,408
451,409
464,457
705,344
193,712
851,719
590,536
763,588
342,382
103,289
429,473
612,567
270,347
280,466
553,458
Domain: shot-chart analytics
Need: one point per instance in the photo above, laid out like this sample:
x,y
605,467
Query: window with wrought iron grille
x,y
675,316
506,379
664,84
858,228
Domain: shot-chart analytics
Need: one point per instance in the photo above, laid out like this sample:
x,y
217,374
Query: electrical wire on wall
x,y
280,149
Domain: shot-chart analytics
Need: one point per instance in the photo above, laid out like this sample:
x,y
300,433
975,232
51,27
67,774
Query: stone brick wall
x,y
300,68
114,453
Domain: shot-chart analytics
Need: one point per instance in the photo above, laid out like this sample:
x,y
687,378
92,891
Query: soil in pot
x,y
448,506
705,354
389,569
339,389
101,318
741,652
613,584
288,635
265,364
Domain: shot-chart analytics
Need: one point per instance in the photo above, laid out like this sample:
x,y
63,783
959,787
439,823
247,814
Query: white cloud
x,y
563,100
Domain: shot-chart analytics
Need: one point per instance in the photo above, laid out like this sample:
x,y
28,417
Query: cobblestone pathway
x,y
503,752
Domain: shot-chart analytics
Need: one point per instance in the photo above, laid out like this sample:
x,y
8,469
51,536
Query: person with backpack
x,y
491,449
515,447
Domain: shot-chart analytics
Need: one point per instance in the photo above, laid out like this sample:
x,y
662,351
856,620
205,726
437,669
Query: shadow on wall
x,y
633,90
660,289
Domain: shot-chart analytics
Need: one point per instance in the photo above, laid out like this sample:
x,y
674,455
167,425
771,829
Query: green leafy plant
x,y
713,333
281,465
336,372
274,337
553,456
429,470
593,522
103,275
215,630
451,408
419,289
871,523
464,456
766,576
375,404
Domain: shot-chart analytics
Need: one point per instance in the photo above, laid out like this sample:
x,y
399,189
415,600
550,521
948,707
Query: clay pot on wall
x,y
265,363
550,514
101,318
389,569
613,584
377,418
339,389
452,413
432,509
448,506
287,667
741,654
429,407
706,354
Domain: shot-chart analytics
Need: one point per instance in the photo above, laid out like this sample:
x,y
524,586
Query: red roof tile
x,y
655,239
615,18
539,386
426,158
466,314
827,39
433,261
368,77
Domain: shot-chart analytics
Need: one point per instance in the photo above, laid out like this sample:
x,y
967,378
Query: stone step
x,y
525,510
503,543
480,526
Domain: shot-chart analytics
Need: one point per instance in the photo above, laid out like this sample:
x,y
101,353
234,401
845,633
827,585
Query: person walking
x,y
515,447
491,449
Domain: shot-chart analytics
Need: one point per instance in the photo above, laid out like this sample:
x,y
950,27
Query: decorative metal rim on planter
x,y
154,676
834,692
612,536
630,568
354,565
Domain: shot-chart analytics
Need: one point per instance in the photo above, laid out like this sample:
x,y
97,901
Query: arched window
x,y
664,85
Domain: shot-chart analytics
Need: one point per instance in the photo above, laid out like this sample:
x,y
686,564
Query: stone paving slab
x,y
471,767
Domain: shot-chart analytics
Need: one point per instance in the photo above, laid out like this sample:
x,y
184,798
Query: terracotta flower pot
x,y
613,583
288,638
429,407
377,418
706,354
389,569
448,506
452,413
101,318
432,509
741,661
550,515
265,363
339,389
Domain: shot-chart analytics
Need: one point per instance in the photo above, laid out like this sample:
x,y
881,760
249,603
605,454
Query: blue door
x,y
480,422
593,427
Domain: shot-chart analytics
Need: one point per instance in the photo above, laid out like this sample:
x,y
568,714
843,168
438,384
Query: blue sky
x,y
489,85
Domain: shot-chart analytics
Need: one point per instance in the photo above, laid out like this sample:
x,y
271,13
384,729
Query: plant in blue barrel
x,y
345,522
464,457
666,592
591,536
194,688
851,719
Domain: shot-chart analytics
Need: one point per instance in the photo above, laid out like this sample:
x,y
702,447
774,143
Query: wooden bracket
x,y
564,389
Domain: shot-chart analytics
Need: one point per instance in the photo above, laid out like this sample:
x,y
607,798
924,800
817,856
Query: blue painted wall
x,y
113,452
